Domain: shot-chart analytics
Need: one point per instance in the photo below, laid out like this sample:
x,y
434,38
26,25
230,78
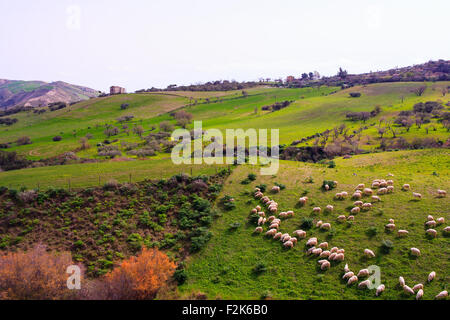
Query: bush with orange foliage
x,y
138,278
34,275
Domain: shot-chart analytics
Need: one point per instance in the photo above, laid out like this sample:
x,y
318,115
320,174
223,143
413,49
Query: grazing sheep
x,y
376,199
325,265
261,214
390,227
352,280
431,276
375,184
360,186
323,245
417,195
348,275
447,229
321,261
351,218
419,294
440,220
363,273
441,193
300,233
319,223
383,184
341,218
338,196
277,236
364,284
358,203
317,210
430,218
325,254
382,191
356,196
288,244
271,232
368,192
312,242
317,251
290,213
332,256
254,211
369,253
294,240
334,249
339,257
406,187
274,226
390,182
417,287
258,195
285,237
402,233
431,223
346,268
380,289
344,194
432,232
340,251
329,208
258,230
303,200
355,210
408,290
271,218
261,221
258,208
367,206
276,189
390,189
325,226
415,252
310,250
442,295
391,221
401,281
327,187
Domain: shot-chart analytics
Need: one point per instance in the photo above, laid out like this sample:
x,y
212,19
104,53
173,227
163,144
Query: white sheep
x,y
360,186
375,184
303,200
440,221
369,253
430,218
317,210
254,211
431,276
311,242
348,275
323,245
419,294
356,196
334,249
310,250
339,196
339,257
274,226
317,251
346,268
319,224
380,289
300,233
415,252
442,295
290,213
391,221
325,226
441,193
406,187
367,206
344,194
417,195
368,192
402,233
276,189
431,223
294,240
364,284
383,183
363,273
288,244
408,290
332,256
341,218
390,182
352,280
325,265
401,281
271,232
329,208
358,203
376,199
258,230
277,236
390,227
355,210
447,229
351,218
417,287
325,254
382,191
261,214
390,189
258,208
432,232
340,251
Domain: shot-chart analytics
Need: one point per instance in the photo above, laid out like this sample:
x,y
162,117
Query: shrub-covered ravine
x,y
101,226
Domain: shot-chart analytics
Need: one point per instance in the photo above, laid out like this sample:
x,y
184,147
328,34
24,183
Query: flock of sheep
x,y
338,254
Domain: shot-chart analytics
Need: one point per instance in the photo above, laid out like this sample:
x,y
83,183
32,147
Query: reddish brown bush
x,y
34,275
138,278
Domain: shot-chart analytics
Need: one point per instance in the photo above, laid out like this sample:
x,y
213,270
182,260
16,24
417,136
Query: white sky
x,y
143,43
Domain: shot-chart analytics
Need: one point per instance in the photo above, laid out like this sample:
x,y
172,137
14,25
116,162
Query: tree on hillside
x,y
419,90
166,126
138,130
342,73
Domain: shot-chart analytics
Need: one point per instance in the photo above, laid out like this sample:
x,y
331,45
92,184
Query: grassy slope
x,y
224,269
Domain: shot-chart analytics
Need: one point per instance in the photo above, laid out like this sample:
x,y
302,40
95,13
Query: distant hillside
x,y
39,93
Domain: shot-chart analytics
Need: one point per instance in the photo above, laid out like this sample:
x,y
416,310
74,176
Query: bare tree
x,y
419,90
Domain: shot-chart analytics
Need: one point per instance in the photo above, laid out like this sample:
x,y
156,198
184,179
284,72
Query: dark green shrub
x,y
307,223
387,246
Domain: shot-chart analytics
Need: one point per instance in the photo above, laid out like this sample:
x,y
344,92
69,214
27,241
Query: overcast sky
x,y
143,43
